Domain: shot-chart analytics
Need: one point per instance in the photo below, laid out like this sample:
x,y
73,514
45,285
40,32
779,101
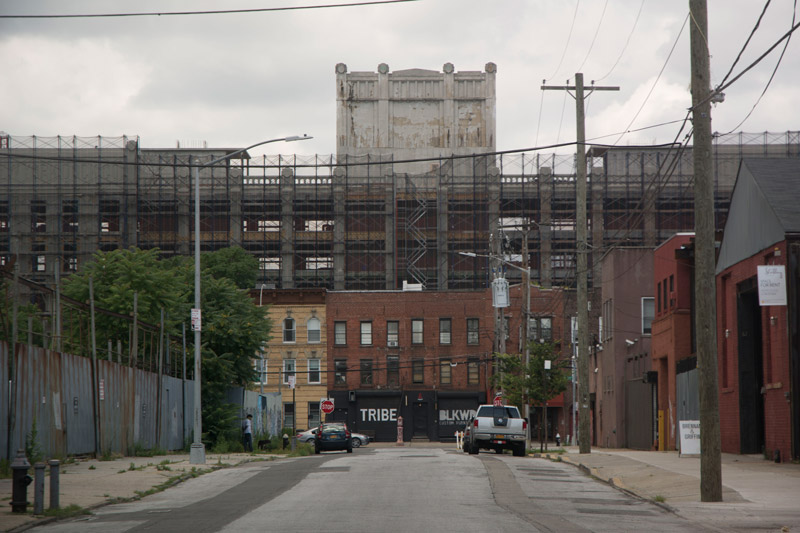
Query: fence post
x,y
95,398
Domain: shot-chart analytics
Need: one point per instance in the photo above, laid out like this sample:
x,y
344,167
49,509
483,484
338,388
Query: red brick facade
x,y
671,339
774,355
434,371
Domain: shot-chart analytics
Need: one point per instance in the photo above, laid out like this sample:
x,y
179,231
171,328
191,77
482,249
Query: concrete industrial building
x,y
415,181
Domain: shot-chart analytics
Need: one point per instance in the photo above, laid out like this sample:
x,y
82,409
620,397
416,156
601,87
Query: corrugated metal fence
x,y
135,409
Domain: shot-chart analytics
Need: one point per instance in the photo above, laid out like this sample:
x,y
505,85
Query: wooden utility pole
x,y
704,258
584,437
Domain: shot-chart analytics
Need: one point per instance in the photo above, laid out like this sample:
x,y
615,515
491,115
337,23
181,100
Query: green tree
x,y
117,275
531,383
233,263
234,328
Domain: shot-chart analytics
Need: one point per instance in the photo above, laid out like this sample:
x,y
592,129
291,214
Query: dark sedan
x,y
333,437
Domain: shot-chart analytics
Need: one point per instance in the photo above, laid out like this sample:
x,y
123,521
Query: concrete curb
x,y
615,482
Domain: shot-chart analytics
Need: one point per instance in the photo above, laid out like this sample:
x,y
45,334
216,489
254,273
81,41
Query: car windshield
x,y
335,428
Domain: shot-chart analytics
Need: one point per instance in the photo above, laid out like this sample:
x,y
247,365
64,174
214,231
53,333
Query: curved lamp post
x,y
198,452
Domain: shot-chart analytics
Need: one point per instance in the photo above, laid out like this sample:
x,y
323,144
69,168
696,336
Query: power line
x,y
746,42
594,38
627,42
566,45
656,80
212,12
772,76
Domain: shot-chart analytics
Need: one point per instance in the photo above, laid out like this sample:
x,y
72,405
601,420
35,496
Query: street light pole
x,y
197,453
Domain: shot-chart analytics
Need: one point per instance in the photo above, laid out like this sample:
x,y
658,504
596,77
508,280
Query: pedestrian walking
x,y
247,430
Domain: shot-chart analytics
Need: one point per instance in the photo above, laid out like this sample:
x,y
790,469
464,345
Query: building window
x,y
445,372
473,372
416,331
313,330
41,263
38,216
313,371
340,372
473,333
288,415
608,316
260,367
269,263
340,333
289,330
658,293
289,367
393,371
445,330
313,415
418,371
540,329
366,372
69,216
647,315
392,334
366,334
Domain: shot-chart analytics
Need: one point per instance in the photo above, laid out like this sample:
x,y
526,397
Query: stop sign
x,y
326,406
498,401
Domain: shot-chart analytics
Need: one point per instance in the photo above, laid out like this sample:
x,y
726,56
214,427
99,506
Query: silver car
x,y
308,436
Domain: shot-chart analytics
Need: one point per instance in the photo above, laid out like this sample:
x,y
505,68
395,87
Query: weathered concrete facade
x,y
415,114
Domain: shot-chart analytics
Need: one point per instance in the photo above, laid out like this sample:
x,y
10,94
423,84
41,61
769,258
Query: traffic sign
x,y
326,406
498,401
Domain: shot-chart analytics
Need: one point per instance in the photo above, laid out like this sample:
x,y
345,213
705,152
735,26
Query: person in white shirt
x,y
248,433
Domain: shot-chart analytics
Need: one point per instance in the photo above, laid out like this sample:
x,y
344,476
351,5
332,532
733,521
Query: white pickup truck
x,y
497,428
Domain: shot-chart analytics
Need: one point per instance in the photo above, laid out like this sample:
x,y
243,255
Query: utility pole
x,y
526,317
584,440
704,258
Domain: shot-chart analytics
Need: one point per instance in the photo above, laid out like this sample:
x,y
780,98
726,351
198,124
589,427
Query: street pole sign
x,y
326,405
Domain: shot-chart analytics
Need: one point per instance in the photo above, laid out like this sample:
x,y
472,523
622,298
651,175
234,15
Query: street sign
x,y
498,401
326,406
197,321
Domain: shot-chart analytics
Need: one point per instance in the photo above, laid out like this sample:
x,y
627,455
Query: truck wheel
x,y
473,449
519,450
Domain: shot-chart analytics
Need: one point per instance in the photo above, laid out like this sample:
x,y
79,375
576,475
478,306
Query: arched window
x,y
313,327
289,330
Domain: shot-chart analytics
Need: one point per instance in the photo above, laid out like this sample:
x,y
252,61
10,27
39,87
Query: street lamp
x,y
525,312
197,453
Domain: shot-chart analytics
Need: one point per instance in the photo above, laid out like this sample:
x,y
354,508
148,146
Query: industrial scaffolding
x,y
356,222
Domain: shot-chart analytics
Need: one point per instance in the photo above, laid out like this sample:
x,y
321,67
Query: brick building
x,y
417,354
296,352
757,312
673,340
623,397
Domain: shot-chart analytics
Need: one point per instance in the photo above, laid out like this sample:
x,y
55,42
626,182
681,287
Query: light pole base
x,y
197,454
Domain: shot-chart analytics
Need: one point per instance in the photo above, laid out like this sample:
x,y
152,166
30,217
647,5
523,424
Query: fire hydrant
x,y
19,483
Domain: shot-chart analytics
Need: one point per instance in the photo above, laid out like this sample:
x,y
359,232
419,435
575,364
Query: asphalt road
x,y
387,490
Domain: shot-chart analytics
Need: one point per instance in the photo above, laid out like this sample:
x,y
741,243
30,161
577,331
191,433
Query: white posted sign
x,y
690,437
771,285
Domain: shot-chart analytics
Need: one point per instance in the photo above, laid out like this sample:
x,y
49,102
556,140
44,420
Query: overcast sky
x,y
235,79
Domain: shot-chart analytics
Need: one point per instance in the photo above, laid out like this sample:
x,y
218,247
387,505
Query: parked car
x,y
498,428
334,436
359,439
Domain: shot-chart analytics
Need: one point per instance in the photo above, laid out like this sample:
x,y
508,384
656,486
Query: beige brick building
x,y
296,351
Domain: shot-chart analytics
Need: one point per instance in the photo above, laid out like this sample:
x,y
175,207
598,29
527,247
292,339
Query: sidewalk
x,y
91,483
757,493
